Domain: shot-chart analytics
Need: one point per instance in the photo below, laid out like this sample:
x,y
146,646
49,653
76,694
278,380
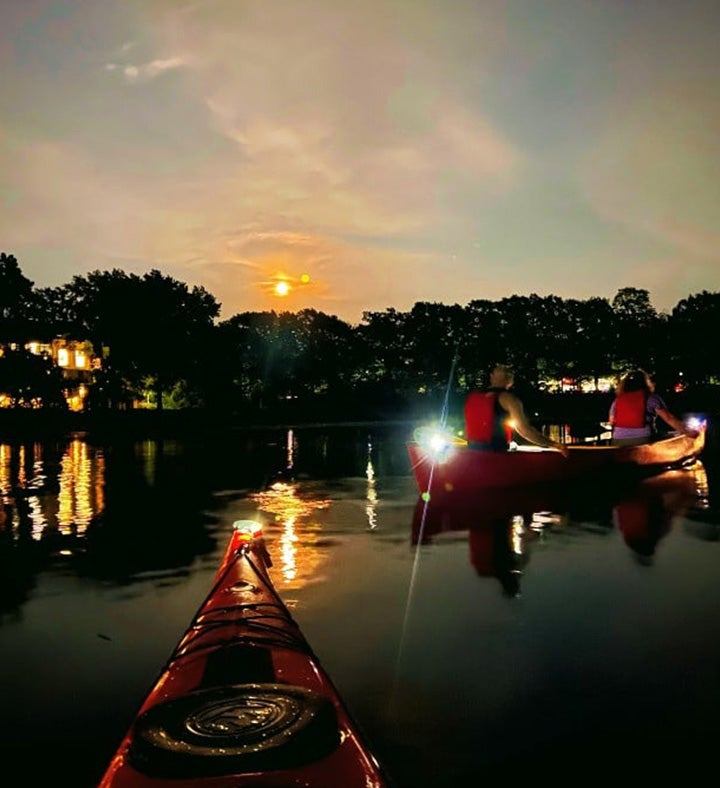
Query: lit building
x,y
76,360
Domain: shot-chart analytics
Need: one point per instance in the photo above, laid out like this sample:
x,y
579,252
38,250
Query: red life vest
x,y
630,409
486,420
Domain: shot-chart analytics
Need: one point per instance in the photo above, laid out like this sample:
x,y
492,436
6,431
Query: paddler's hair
x,y
635,380
505,370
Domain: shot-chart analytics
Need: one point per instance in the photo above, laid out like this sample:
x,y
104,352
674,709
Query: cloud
x,y
64,201
369,145
147,71
344,143
653,167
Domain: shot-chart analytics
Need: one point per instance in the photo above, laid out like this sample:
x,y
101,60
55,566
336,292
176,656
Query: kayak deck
x,y
243,701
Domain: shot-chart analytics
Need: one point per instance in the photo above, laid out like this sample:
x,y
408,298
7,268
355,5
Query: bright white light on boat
x,y
248,529
437,442
694,423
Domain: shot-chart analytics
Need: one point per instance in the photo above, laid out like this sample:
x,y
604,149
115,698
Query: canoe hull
x,y
459,470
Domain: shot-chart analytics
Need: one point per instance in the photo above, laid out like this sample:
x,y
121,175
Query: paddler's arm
x,y
514,407
674,422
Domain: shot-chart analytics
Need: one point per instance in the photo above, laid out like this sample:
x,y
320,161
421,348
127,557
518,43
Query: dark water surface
x,y
558,636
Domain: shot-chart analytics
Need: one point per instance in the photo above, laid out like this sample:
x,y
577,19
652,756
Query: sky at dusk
x,y
387,151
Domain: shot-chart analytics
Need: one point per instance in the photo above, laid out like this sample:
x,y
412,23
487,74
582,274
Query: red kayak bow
x,y
243,701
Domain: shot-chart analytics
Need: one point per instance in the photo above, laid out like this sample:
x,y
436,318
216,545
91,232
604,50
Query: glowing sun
x,y
282,288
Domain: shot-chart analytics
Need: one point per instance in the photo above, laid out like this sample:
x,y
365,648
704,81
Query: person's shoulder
x,y
654,400
508,398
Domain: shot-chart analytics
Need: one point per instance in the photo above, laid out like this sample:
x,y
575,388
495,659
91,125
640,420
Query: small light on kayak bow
x,y
248,529
425,496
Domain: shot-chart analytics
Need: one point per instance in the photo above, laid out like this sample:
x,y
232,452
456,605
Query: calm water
x,y
557,636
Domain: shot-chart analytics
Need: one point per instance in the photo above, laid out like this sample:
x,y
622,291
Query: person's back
x,y
486,420
635,408
490,412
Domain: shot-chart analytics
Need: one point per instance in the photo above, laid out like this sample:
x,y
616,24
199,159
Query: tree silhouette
x,y
691,324
154,327
15,295
156,334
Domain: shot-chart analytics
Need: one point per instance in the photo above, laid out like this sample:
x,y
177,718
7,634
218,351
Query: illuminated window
x,y
63,357
80,359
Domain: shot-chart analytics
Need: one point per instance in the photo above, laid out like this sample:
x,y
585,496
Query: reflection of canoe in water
x,y
641,510
456,469
243,701
646,517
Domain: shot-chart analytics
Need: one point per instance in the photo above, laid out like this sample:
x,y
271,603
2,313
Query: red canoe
x,y
452,468
243,702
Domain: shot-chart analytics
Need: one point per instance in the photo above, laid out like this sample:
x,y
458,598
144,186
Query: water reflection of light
x,y
702,488
288,549
81,479
290,450
37,518
149,453
297,543
5,455
542,519
371,495
22,478
75,500
517,531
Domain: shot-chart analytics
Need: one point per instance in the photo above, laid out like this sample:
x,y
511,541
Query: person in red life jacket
x,y
634,411
488,414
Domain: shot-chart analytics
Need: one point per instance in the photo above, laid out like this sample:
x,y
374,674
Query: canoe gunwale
x,y
460,469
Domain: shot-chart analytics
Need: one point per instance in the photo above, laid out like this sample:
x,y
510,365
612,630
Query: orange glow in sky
x,y
281,284
371,164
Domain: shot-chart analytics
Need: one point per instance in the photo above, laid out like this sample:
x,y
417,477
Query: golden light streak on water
x,y
22,479
296,545
80,496
288,550
702,489
78,478
371,496
149,457
517,532
65,495
5,455
290,450
37,518
98,492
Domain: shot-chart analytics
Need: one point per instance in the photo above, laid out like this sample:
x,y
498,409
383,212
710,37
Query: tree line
x,y
155,334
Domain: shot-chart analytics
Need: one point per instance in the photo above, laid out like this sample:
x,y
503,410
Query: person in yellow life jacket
x,y
488,413
635,409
